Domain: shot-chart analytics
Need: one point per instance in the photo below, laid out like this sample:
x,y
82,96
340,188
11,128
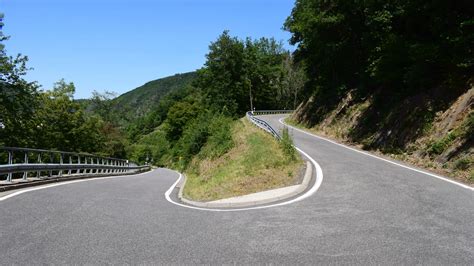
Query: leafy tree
x,y
178,116
292,82
223,77
101,104
61,122
238,73
17,99
403,46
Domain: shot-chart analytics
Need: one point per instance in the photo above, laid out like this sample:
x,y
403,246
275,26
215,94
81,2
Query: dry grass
x,y
256,163
450,169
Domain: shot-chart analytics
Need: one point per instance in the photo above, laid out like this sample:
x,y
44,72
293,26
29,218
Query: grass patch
x,y
463,164
441,145
256,162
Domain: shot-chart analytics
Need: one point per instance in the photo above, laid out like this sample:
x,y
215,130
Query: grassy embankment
x,y
257,162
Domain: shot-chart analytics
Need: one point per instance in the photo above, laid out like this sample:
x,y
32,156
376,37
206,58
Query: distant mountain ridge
x,y
141,100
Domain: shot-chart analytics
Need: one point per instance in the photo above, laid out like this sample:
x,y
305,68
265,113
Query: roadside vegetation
x,y
390,77
165,122
256,162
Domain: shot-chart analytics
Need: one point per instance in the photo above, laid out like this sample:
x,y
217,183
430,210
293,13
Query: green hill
x,y
138,102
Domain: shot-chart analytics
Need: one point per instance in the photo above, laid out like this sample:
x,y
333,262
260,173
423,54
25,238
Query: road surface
x,y
366,211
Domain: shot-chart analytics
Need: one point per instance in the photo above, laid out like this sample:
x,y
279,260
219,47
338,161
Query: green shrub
x,y
220,137
194,137
440,146
286,144
469,132
155,146
462,164
208,135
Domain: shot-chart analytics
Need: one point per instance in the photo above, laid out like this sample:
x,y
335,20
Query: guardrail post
x,y
78,162
10,161
86,162
25,174
51,160
60,162
100,161
38,174
70,162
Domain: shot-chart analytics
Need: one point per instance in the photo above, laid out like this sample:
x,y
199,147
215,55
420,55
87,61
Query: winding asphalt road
x,y
367,211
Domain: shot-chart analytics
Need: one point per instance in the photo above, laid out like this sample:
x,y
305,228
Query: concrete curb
x,y
279,196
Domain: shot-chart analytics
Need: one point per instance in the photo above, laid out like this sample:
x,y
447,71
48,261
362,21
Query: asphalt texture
x,y
366,211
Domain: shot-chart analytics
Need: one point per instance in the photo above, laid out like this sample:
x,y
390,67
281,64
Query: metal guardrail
x,y
264,125
271,112
43,164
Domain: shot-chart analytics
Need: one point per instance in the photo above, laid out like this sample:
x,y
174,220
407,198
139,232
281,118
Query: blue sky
x,y
118,45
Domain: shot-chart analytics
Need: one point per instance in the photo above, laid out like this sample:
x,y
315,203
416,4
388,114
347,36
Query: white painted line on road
x,y
380,158
311,191
63,183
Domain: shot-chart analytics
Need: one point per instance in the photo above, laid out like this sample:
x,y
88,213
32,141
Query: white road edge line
x,y
380,158
64,183
311,191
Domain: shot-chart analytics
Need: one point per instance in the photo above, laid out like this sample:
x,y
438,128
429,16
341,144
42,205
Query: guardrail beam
x,y
63,164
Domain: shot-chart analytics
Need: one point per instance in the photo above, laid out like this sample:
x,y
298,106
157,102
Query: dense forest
x,y
393,76
392,48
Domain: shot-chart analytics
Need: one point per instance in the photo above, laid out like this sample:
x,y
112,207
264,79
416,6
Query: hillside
x,y
430,130
139,101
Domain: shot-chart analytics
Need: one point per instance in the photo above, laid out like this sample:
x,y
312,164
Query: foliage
x,y
209,130
238,74
440,146
49,119
402,46
137,103
155,146
220,137
254,163
286,144
463,164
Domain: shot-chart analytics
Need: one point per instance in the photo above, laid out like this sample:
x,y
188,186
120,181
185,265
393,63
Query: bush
x,y
220,137
194,137
155,146
440,146
208,135
286,144
462,164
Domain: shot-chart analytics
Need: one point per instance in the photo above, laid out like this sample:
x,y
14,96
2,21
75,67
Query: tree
x,y
238,72
402,46
293,81
101,103
222,79
17,98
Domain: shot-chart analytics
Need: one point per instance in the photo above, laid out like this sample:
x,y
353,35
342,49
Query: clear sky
x,y
118,45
